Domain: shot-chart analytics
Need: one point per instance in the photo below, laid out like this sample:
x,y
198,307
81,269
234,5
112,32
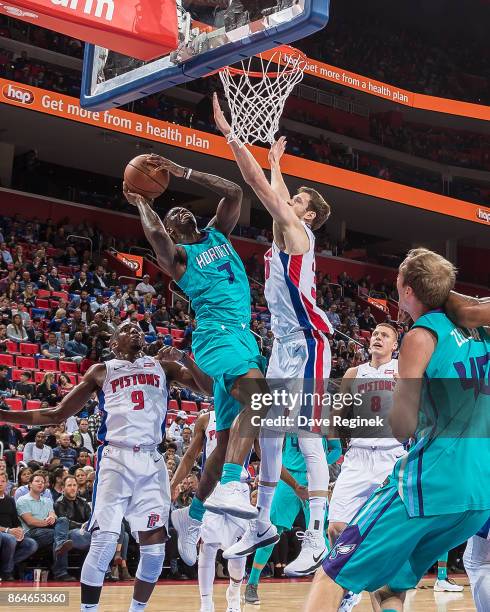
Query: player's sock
x,y
231,473
317,513
442,567
137,606
261,557
197,509
264,502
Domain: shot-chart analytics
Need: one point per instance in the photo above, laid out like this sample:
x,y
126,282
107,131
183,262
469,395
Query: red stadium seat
x,y
26,348
49,365
12,347
163,330
177,333
43,293
33,404
14,403
16,374
42,303
205,405
365,334
173,405
178,342
38,377
26,363
6,359
68,366
19,456
188,406
140,317
63,295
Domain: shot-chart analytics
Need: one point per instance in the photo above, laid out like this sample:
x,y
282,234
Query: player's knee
x,y
151,561
102,548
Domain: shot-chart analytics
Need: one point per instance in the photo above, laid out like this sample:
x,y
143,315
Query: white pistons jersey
x,y
210,435
376,390
133,402
290,291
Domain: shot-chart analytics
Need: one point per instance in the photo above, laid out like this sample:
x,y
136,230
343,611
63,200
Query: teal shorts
x,y
286,505
383,546
225,353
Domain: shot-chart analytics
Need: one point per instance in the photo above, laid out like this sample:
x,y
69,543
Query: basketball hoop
x,y
257,91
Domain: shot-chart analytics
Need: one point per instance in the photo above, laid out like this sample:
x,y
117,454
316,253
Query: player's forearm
x,y
185,466
221,186
47,416
278,184
157,236
334,451
287,478
468,311
202,382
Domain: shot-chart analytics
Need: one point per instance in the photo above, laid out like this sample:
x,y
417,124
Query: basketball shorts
x,y
383,545
133,485
286,505
477,564
300,364
223,529
225,353
362,472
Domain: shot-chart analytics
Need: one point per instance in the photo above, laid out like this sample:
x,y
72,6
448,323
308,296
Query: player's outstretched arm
x,y
468,311
277,181
228,210
415,353
72,403
191,454
255,177
180,368
169,257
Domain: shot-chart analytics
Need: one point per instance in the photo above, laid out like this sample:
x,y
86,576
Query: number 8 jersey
x,y
133,402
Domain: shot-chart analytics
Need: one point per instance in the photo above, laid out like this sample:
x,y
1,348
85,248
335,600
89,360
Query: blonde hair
x,y
318,205
430,276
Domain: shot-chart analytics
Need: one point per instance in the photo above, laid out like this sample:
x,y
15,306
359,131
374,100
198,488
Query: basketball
x,y
145,180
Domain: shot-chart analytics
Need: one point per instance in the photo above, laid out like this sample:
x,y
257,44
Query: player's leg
x,y
102,548
477,564
152,556
325,594
443,583
236,569
206,574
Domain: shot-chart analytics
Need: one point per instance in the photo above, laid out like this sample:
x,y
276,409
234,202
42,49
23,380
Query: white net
x,y
257,92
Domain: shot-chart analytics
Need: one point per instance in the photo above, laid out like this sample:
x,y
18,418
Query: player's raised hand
x,y
157,163
219,117
277,151
302,492
135,198
170,353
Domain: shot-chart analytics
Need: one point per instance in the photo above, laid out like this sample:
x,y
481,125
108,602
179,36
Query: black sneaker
x,y
65,578
251,594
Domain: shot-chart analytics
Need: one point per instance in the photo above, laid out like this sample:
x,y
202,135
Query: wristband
x,y
187,173
234,138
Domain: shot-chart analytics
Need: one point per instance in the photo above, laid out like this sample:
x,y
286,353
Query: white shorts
x,y
133,485
222,529
300,363
477,565
362,472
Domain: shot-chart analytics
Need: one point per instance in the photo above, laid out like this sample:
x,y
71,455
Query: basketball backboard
x,y
212,34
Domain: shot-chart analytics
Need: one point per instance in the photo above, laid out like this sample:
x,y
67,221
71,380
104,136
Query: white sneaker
x,y
257,535
229,499
448,586
233,600
188,532
313,551
350,600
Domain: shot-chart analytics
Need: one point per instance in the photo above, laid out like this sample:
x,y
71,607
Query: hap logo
x,y
484,215
17,12
153,519
18,94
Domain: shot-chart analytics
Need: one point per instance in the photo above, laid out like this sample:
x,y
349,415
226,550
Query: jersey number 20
x,y
138,399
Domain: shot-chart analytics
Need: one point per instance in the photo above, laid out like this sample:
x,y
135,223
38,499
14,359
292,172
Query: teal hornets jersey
x,y
215,281
292,457
447,470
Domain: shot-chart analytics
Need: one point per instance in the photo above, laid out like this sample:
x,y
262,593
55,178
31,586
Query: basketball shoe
x,y
233,599
447,586
350,600
229,499
257,535
252,595
313,551
188,532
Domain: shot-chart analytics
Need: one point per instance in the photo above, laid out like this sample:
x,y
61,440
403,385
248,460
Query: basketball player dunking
x,y
131,479
300,351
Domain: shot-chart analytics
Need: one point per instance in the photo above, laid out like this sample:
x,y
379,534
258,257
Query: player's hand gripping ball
x,y
144,176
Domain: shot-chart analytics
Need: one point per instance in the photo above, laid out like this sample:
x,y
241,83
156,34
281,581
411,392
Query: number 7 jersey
x,y
215,280
133,402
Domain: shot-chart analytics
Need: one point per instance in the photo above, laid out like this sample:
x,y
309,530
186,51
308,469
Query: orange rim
x,y
283,49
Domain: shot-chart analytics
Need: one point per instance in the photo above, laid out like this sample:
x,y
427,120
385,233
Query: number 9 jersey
x,y
133,402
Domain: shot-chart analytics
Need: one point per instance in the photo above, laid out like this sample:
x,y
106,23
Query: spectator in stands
x,y
98,304
161,316
81,478
145,286
58,319
6,256
333,316
66,453
16,330
83,438
81,283
24,489
99,278
25,388
366,321
53,279
6,386
50,349
23,477
15,547
172,453
40,523
56,478
174,432
116,300
28,297
186,439
75,509
47,390
3,470
38,451
103,329
147,327
83,461
35,332
3,338
64,384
